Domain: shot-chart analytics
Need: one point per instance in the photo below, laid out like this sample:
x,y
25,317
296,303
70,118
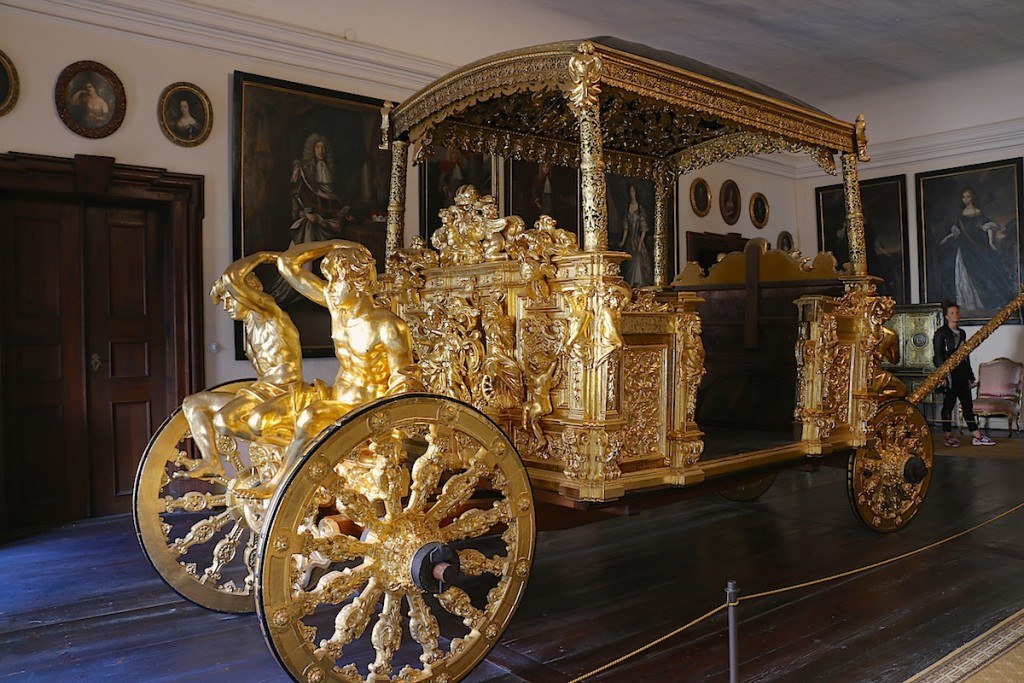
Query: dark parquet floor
x,y
80,602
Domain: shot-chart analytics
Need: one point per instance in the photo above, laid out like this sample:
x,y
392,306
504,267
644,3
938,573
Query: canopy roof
x,y
660,112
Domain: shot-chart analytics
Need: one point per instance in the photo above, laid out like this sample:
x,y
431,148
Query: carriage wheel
x,y
400,546
198,536
888,477
750,490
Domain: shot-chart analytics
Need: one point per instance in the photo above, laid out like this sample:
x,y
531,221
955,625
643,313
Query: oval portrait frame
x,y
200,113
759,210
785,242
700,197
729,202
74,114
9,84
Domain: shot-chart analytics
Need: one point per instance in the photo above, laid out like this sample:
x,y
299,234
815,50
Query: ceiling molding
x,y
178,23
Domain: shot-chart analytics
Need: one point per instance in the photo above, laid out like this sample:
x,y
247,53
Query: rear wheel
x,y
399,547
199,537
888,477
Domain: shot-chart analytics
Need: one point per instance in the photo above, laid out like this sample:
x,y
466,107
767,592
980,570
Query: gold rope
x,y
776,591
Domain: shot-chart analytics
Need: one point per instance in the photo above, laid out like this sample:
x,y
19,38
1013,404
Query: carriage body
x,y
548,378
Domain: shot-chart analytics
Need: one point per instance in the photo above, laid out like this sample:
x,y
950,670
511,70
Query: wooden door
x,y
125,346
41,363
97,260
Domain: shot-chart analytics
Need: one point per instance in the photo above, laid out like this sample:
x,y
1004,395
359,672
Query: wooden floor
x,y
81,603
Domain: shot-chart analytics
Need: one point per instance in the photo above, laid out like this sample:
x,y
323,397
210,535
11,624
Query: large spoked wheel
x,y
888,478
198,536
400,546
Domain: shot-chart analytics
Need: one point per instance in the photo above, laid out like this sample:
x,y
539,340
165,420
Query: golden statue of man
x,y
271,345
372,344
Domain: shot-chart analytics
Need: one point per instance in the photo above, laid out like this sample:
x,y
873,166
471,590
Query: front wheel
x,y
399,548
888,477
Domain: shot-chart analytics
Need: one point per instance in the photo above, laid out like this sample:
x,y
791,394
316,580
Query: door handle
x,y
95,361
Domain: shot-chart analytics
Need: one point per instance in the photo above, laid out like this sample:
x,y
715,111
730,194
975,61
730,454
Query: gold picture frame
x,y
729,202
759,210
185,114
700,197
90,99
9,85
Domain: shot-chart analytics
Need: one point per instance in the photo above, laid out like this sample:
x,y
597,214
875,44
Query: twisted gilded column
x,y
396,198
585,70
662,206
854,215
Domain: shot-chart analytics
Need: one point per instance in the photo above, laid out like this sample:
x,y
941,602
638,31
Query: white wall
x,y
960,119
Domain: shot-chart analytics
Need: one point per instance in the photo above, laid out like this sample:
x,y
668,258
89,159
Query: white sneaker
x,y
983,441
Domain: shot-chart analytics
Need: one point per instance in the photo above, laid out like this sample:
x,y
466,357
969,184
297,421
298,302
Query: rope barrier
x,y
798,586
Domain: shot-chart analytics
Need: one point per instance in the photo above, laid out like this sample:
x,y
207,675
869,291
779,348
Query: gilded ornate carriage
x,y
398,546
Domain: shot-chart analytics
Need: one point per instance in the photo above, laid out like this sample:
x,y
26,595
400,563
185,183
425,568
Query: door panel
x,y
41,364
125,332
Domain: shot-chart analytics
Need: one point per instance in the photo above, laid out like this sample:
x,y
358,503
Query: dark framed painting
x,y
185,114
784,242
759,210
90,99
968,222
729,202
533,189
700,197
307,167
631,228
441,176
9,86
884,202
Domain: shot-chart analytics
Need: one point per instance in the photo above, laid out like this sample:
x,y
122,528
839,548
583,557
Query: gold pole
x,y
854,215
932,381
585,70
396,198
662,204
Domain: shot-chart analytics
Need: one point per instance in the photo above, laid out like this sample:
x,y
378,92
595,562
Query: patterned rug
x,y
996,656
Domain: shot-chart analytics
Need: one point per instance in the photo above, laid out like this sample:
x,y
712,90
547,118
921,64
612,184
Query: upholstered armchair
x,y
999,391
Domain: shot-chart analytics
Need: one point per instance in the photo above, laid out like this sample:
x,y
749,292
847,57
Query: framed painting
x,y
729,202
968,221
307,167
90,99
442,174
759,210
631,228
884,202
185,114
9,85
533,189
700,197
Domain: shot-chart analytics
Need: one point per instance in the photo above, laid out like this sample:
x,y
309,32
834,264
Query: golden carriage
x,y
397,545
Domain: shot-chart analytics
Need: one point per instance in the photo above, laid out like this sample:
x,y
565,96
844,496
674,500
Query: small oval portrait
x,y
729,202
759,210
90,99
700,197
785,241
186,116
8,84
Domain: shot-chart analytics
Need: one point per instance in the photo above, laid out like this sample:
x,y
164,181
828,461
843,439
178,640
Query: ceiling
x,y
815,50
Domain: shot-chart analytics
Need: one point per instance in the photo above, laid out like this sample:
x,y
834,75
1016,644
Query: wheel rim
x,y
198,536
887,479
365,617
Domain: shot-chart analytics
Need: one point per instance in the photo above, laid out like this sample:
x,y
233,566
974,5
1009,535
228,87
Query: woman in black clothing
x,y
960,380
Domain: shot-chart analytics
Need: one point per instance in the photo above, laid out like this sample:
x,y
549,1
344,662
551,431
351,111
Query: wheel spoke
x,y
201,532
423,628
193,501
390,474
352,504
457,490
335,587
352,620
336,548
474,563
457,602
426,471
475,523
387,635
223,553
